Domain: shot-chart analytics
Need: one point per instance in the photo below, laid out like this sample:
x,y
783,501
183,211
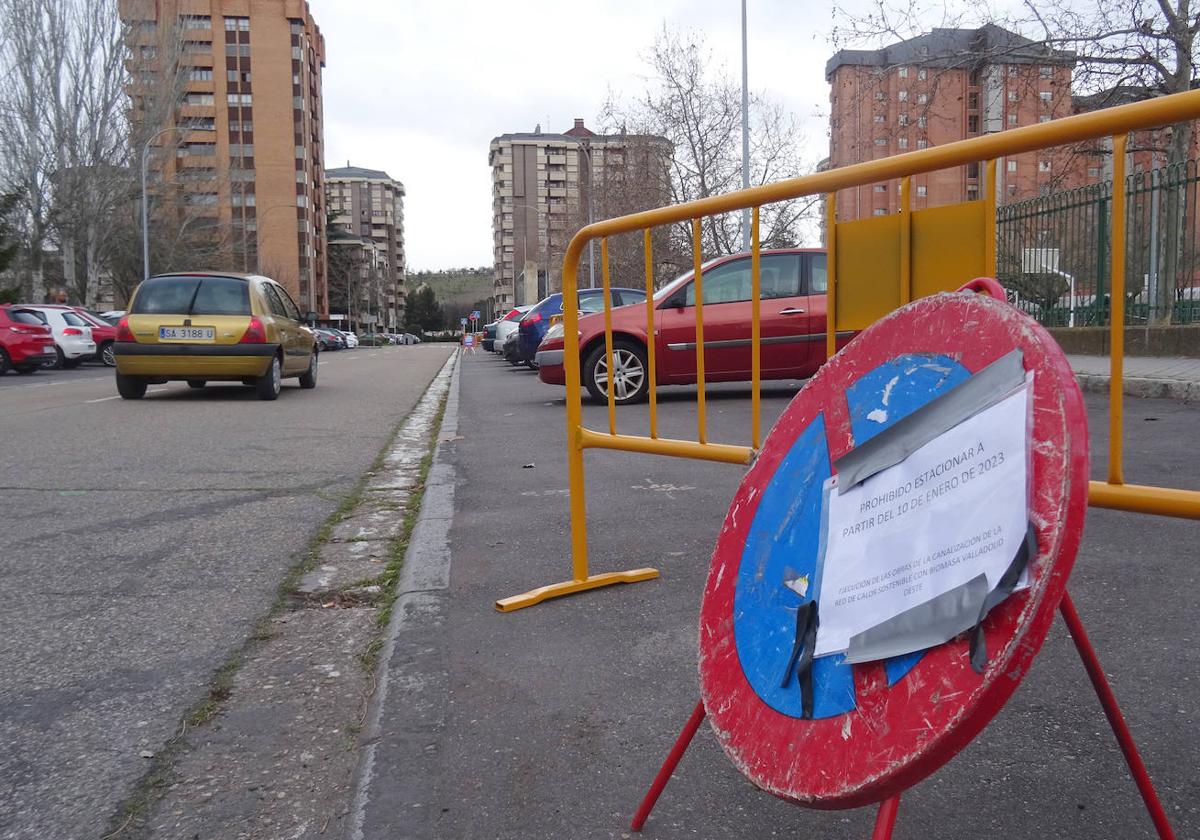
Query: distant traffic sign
x,y
462,322
475,315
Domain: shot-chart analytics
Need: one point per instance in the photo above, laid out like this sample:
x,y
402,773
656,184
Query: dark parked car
x,y
26,343
330,339
489,336
531,329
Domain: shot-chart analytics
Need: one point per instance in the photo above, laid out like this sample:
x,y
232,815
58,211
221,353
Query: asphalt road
x,y
550,722
140,542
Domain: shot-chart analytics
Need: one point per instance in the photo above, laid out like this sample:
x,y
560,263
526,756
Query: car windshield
x,y
192,296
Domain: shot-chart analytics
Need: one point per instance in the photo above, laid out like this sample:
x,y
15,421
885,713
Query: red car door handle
x,y
791,311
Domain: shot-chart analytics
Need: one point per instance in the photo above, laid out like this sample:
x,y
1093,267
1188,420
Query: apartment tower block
x,y
369,203
947,85
246,129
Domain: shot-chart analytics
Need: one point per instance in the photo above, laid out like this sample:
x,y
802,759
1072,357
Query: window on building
x,y
1046,96
1012,119
922,191
972,170
902,96
238,24
972,192
879,96
147,53
1013,70
922,98
196,22
1043,166
1093,171
972,123
880,141
902,119
922,143
237,49
1011,166
973,78
902,143
881,188
198,99
236,99
880,211
1046,72
1044,118
297,54
879,119
921,74
200,74
902,72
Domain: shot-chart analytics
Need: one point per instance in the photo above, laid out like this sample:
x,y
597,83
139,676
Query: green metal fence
x,y
1053,252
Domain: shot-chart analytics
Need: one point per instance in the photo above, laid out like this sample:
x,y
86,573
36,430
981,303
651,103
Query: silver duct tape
x,y
893,445
932,623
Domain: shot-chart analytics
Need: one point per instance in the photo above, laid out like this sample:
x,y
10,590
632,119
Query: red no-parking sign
x,y
868,731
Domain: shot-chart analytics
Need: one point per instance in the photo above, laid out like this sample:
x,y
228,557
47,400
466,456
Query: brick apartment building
x,y
948,85
545,186
250,169
369,203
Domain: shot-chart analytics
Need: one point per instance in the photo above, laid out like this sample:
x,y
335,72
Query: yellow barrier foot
x,y
570,587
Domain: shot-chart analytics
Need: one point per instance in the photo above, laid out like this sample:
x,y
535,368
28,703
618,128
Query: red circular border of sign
x,y
899,735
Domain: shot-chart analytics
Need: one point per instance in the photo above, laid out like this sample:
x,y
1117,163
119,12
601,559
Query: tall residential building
x,y
370,203
546,186
242,80
947,85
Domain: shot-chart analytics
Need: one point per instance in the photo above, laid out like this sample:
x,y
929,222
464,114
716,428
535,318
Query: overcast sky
x,y
420,87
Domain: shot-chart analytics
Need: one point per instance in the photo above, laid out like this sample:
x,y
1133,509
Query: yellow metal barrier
x,y
873,266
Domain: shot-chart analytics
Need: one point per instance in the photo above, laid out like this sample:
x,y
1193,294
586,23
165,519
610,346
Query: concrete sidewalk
x,y
1168,377
549,723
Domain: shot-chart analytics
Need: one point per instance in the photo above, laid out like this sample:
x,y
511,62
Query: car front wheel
x,y
308,379
630,379
268,385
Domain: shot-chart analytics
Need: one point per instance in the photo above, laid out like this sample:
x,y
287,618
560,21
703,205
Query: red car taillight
x,y
72,331
30,330
255,333
531,318
123,331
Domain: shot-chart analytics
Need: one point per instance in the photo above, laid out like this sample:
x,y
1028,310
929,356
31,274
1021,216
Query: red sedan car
x,y
792,323
26,343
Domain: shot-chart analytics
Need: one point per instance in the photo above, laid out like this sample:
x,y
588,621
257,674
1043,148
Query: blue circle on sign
x,y
779,561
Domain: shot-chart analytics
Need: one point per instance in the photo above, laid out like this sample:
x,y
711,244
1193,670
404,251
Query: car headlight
x,y
556,331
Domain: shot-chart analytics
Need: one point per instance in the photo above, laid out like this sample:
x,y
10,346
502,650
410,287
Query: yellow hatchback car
x,y
211,327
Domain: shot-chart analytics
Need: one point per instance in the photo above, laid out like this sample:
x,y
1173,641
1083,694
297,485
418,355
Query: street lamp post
x,y
145,209
587,147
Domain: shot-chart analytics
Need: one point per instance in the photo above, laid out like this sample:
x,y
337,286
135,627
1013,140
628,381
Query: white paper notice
x,y
951,510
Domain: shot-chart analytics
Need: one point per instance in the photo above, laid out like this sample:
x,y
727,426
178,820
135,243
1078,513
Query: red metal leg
x,y
1116,720
885,820
668,767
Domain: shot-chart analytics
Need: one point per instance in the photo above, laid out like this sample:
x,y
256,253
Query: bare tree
x,y
698,109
